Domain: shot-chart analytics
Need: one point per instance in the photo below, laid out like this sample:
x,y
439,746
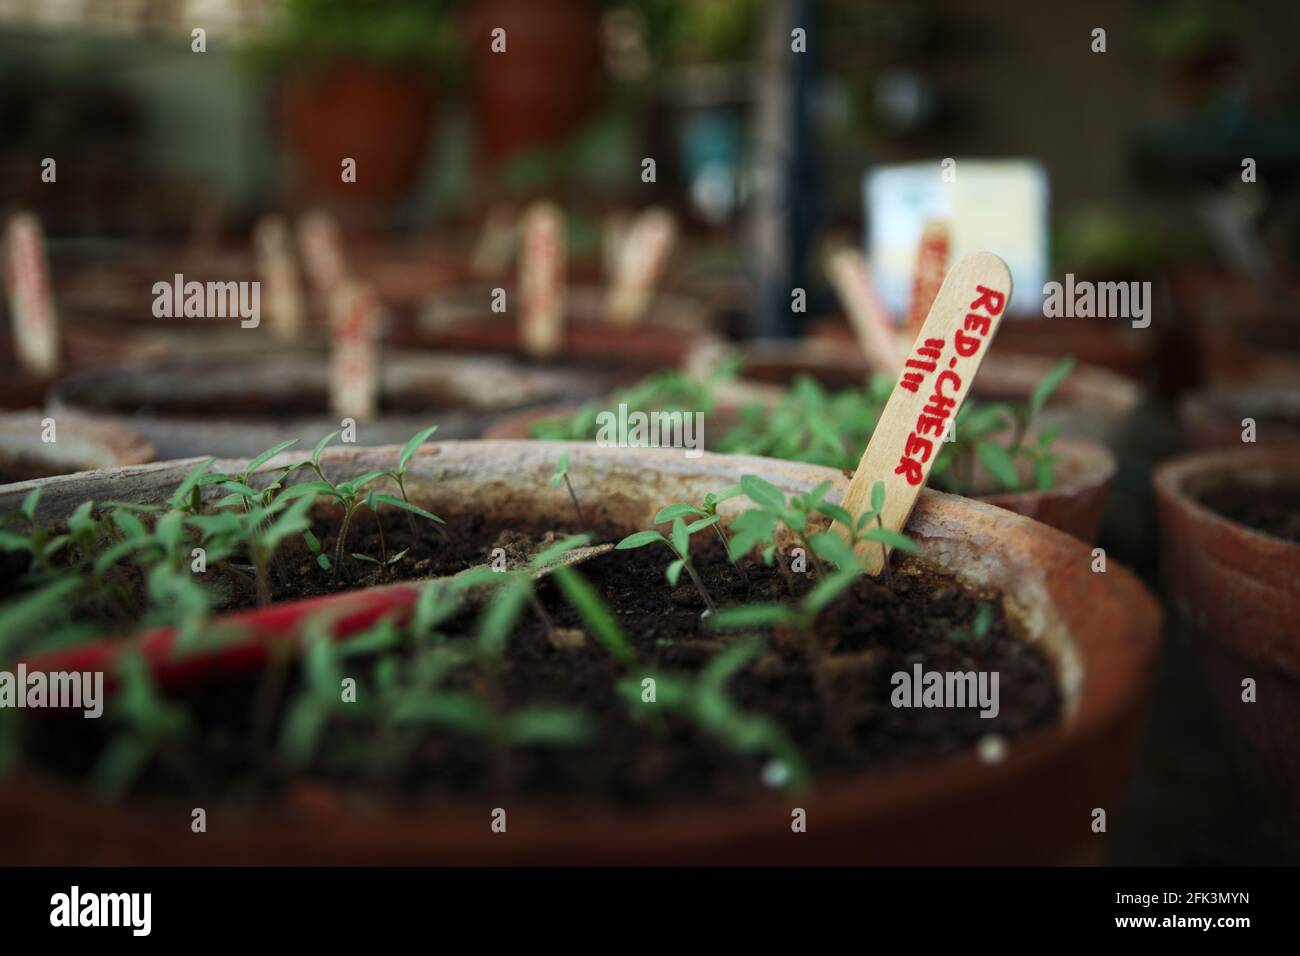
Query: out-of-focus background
x,y
1146,141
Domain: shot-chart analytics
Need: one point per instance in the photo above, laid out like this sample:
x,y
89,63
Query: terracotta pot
x,y
379,116
1092,403
1075,505
540,91
460,320
1213,418
1238,590
1245,336
1101,630
81,444
1099,343
242,404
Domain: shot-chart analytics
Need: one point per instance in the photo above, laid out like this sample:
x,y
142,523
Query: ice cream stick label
x,y
640,264
613,235
496,245
322,251
279,274
541,279
934,382
354,351
931,264
867,312
35,326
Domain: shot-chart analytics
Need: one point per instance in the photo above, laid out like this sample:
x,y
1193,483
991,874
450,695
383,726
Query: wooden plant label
x,y
354,351
496,244
321,247
35,326
867,312
279,273
541,279
934,382
640,263
931,265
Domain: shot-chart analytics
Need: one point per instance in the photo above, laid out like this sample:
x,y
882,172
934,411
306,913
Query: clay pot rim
x,y
1088,386
1226,399
1174,481
117,442
1096,465
1122,651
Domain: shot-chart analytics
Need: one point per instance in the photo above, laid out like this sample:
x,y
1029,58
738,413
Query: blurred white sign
x,y
997,206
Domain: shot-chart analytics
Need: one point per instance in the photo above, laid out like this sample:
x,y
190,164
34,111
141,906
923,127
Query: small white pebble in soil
x,y
992,748
776,774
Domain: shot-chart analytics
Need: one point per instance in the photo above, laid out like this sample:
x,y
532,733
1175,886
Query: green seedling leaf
x,y
22,619
270,453
639,539
552,553
893,539
547,725
835,549
365,558
727,663
181,497
131,527
679,510
762,492
594,614
320,447
681,537
1049,383
751,615
828,590
835,513
877,496
415,441
999,463
703,523
502,613
405,505
30,501
674,571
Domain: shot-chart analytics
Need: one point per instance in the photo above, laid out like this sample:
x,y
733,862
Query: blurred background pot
x,y
81,444
1215,418
1237,588
241,405
1100,630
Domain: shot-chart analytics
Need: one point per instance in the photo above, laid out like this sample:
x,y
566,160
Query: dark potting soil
x,y
834,703
1274,511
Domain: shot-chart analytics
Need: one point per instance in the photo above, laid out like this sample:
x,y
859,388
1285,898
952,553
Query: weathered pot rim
x,y
1108,622
105,438
1177,482
1225,400
1088,386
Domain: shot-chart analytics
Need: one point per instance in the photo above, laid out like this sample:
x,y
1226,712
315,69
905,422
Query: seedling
x,y
562,474
705,703
707,509
398,474
679,543
979,629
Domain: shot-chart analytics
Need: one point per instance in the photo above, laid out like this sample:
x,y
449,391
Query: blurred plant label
x,y
847,270
934,383
321,246
931,266
541,279
35,326
496,245
354,351
641,259
279,272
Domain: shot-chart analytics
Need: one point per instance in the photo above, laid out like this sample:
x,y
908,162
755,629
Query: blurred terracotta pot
x,y
81,444
541,89
1245,334
1075,504
1100,630
462,320
1238,589
1214,418
243,404
379,116
1091,403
